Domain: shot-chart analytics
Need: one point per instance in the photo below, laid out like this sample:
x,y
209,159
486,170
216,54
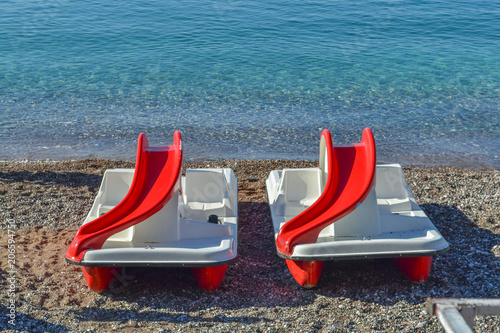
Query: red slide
x,y
156,179
350,177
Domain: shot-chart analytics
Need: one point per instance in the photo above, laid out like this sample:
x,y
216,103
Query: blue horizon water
x,y
251,79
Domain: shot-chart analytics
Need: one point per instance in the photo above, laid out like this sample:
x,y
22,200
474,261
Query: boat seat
x,y
205,193
392,190
299,189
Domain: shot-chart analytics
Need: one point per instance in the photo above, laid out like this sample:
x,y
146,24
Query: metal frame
x,y
457,314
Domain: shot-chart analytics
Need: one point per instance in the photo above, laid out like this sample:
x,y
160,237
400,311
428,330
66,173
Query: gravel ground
x,y
44,203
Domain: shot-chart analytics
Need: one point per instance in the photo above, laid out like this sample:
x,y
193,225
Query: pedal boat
x,y
150,216
349,209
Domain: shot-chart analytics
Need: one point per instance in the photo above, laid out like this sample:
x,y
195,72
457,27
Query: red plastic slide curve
x,y
350,178
156,179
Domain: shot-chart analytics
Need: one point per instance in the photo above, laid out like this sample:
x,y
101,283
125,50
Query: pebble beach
x,y
42,204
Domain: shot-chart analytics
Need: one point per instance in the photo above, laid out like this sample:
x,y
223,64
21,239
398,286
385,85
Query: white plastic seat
x,y
299,189
392,190
205,193
115,185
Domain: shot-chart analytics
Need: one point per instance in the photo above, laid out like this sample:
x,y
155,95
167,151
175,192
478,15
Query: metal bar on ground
x,y
457,314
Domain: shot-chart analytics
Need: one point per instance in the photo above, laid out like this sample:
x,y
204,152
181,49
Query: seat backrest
x,y
205,185
115,186
301,185
391,183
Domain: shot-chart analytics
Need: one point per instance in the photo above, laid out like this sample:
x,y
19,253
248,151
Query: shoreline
x,y
197,161
47,202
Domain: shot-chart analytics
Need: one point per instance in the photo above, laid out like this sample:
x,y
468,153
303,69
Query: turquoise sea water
x,y
251,79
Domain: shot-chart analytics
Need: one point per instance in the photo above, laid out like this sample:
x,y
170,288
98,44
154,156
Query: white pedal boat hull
x,y
177,235
388,224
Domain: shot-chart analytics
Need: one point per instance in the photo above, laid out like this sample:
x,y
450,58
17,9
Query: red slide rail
x,y
350,178
156,179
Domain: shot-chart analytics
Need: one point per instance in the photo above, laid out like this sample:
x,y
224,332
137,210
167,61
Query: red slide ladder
x,y
350,176
157,178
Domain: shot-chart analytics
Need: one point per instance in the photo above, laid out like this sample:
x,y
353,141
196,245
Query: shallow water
x,y
251,79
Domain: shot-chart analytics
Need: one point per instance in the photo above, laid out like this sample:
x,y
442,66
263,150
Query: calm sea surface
x,y
251,79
